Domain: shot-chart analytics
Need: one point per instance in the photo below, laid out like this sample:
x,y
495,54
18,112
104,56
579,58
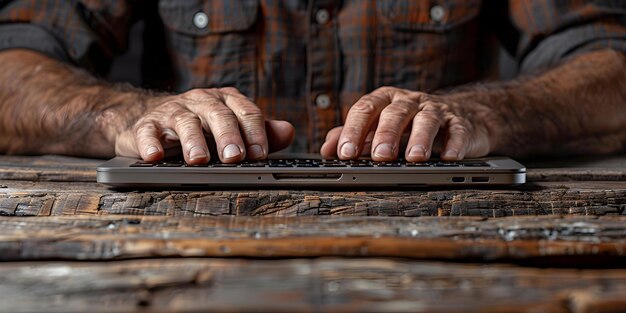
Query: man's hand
x,y
224,116
49,107
376,123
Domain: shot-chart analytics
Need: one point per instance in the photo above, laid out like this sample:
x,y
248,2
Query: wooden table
x,y
556,244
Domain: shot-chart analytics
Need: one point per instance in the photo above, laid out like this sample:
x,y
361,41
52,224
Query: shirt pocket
x,y
213,42
420,43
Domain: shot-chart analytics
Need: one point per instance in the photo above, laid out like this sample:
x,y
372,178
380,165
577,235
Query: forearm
x,y
49,107
576,108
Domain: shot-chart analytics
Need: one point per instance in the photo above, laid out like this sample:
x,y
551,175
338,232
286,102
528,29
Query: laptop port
x,y
480,179
458,179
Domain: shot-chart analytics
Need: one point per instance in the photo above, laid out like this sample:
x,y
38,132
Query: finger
x,y
251,122
358,122
457,139
393,120
426,125
329,148
125,145
224,127
147,140
188,128
280,134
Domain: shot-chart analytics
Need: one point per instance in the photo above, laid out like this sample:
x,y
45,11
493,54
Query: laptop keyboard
x,y
313,163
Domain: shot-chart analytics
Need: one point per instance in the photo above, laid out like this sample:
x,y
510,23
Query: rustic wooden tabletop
x,y
556,244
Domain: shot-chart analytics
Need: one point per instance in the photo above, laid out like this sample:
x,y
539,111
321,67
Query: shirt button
x,y
200,20
322,16
437,13
322,101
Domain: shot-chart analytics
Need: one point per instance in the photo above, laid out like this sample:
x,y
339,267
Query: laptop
x,y
311,172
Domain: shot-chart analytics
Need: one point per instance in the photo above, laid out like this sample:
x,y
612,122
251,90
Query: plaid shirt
x,y
309,61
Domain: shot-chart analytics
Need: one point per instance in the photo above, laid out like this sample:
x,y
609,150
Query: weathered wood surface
x,y
48,168
53,185
18,198
570,214
581,241
304,285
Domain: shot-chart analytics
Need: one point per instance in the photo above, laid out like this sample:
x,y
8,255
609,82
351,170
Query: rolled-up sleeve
x,y
86,33
553,30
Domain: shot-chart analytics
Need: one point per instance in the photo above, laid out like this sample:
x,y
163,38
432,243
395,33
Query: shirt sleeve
x,y
552,30
87,33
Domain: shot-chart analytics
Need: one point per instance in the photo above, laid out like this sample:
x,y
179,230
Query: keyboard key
x,y
224,165
253,164
196,165
360,165
142,164
280,165
475,164
307,165
333,165
170,164
388,164
418,165
446,164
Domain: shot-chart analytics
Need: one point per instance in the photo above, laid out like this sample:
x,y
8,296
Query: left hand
x,y
376,123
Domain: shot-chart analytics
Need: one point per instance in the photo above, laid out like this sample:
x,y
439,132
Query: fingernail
x,y
383,150
152,150
197,153
451,154
231,151
348,150
417,151
255,152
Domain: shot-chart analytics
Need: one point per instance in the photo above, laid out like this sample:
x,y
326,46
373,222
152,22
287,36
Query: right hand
x,y
235,124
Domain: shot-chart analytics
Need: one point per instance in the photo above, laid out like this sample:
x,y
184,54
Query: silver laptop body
x,y
309,173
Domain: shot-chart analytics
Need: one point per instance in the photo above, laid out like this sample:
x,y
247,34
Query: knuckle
x,y
365,106
388,133
459,130
434,106
146,140
253,133
250,112
196,94
386,89
433,117
224,135
428,125
144,126
184,117
229,90
400,108
350,133
170,106
220,113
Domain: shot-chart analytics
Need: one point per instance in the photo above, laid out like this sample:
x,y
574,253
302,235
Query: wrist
x,y
484,110
124,107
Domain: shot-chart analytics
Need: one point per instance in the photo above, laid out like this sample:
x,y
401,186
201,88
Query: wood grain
x,y
304,285
580,241
19,198
138,250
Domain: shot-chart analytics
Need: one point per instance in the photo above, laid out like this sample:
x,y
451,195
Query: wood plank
x,y
304,285
580,241
19,198
48,168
